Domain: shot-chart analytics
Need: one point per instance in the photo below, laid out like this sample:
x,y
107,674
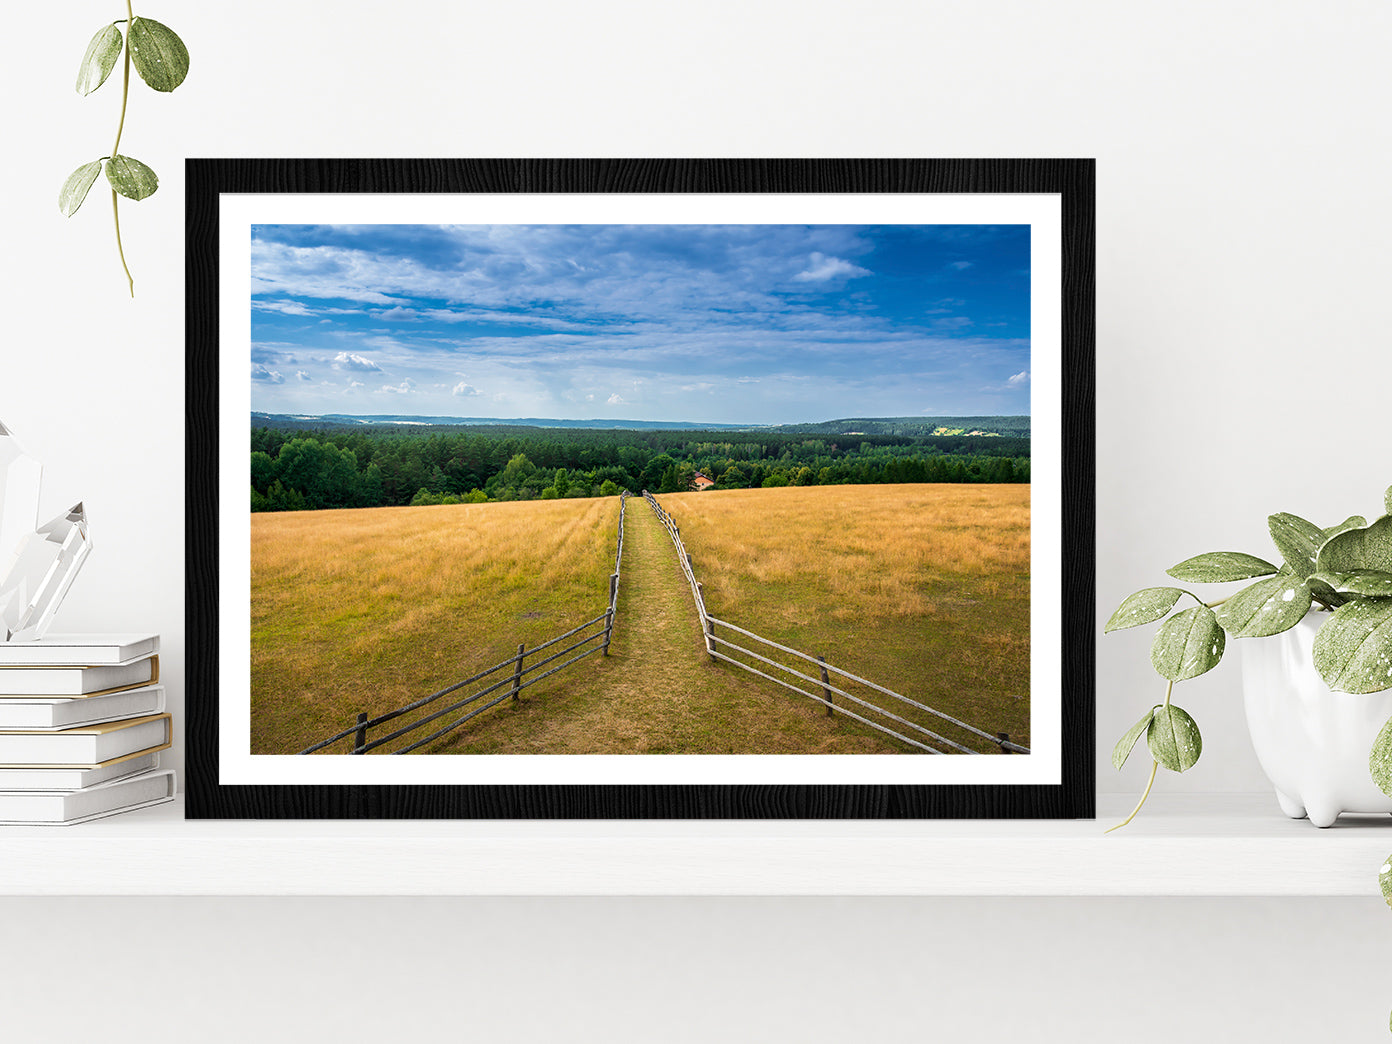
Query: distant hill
x,y
1013,427
912,427
296,421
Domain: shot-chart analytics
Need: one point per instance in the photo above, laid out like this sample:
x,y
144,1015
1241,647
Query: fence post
x,y
825,682
360,740
517,672
710,636
1003,738
609,613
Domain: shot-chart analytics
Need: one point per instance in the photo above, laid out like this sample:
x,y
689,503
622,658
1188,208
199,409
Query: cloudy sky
x,y
758,324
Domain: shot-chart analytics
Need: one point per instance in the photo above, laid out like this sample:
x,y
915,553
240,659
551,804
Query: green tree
x,y
263,471
517,471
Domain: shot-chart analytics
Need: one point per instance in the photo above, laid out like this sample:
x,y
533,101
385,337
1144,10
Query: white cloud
x,y
265,374
1019,378
617,400
822,268
465,389
398,313
301,375
404,388
352,361
283,307
961,266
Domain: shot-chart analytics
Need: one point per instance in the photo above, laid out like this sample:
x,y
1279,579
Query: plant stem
x,y
1154,767
120,127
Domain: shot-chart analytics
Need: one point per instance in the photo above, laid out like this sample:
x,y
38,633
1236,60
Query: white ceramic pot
x,y
1312,742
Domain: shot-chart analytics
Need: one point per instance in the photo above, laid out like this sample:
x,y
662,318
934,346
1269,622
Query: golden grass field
x,y
369,609
921,588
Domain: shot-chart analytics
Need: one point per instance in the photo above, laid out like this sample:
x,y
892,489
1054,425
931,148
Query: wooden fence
x,y
820,688
507,688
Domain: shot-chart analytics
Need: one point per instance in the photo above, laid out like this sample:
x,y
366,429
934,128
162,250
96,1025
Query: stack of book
x,y
82,723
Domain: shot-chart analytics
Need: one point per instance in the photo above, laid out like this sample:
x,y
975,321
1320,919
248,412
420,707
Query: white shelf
x,y
1208,845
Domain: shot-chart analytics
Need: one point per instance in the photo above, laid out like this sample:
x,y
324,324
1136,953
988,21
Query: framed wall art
x,y
640,488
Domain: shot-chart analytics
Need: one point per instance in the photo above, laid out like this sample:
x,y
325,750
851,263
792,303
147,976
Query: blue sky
x,y
759,324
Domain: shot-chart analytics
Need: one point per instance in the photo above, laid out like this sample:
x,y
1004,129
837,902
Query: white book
x,y
43,777
77,681
78,650
88,745
31,712
65,807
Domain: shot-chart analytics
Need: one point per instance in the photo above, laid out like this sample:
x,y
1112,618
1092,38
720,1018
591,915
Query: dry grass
x,y
922,588
657,692
367,610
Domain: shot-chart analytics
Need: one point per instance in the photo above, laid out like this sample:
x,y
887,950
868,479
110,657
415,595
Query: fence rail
x,y
824,691
511,685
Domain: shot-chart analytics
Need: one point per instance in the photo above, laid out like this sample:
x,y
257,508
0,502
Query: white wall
x,y
1242,365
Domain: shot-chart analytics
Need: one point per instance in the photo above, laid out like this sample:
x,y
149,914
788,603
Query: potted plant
x,y
1327,608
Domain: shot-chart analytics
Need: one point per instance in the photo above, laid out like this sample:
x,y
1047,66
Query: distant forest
x,y
339,466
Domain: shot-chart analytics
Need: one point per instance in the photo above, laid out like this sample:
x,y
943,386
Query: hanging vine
x,y
162,61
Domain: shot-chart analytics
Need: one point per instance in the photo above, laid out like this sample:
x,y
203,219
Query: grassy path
x,y
658,692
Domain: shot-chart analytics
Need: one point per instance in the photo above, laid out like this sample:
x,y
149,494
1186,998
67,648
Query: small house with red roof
x,y
700,482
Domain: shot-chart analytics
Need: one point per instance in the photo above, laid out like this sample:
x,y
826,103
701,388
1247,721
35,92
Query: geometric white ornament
x,y
19,494
40,574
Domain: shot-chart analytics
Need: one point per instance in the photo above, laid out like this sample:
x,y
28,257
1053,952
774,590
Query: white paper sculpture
x,y
19,495
40,574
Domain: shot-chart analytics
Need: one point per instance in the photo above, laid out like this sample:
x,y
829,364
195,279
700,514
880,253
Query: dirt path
x,y
657,692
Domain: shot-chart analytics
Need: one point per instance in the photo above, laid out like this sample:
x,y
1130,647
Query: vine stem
x,y
1154,767
120,127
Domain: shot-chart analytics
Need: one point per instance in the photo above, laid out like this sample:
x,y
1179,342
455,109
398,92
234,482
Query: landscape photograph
x,y
640,489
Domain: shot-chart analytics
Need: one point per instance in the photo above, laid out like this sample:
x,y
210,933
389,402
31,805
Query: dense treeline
x,y
370,467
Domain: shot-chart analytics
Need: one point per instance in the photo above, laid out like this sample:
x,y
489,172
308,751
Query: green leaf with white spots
x,y
1187,644
1380,765
1366,583
158,54
1298,541
75,188
100,59
1385,879
1173,738
1122,750
1321,591
130,177
1353,650
1352,522
1219,567
1267,607
1143,607
1387,500
1366,548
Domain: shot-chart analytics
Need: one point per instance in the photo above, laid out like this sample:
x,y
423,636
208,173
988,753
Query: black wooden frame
x,y
1072,179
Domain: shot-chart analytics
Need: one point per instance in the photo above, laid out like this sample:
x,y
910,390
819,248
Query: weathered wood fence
x,y
820,688
601,630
